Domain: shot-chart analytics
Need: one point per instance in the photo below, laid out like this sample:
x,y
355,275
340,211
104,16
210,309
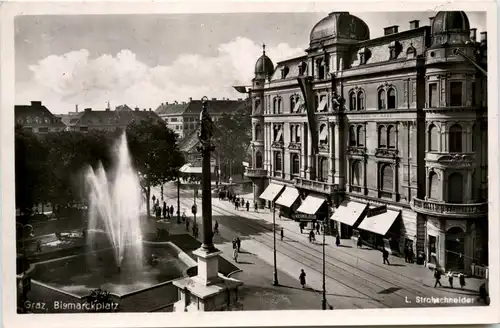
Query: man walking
x,y
282,234
172,210
300,227
216,227
238,244
164,210
385,255
317,228
437,276
248,206
255,207
302,278
187,225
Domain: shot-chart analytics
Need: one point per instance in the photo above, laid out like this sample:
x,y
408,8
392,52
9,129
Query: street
x,y
355,278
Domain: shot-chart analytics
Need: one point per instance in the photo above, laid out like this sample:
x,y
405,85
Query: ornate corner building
x,y
389,133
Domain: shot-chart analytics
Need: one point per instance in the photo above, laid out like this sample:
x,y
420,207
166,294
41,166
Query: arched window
x,y
297,133
352,136
275,105
473,139
361,100
360,136
433,186
258,160
292,103
381,99
382,137
258,132
323,135
391,136
323,168
433,137
356,174
391,98
352,101
279,105
455,139
455,188
387,178
277,161
295,164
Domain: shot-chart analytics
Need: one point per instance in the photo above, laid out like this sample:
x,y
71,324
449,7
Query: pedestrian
x,y
385,255
360,242
300,227
38,246
282,234
236,204
184,216
238,244
302,278
172,210
312,236
194,229
255,206
406,253
317,228
437,276
337,240
216,227
450,278
187,224
235,255
410,254
158,212
164,210
248,206
461,279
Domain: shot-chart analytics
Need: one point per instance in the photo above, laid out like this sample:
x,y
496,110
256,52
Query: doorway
x,y
455,248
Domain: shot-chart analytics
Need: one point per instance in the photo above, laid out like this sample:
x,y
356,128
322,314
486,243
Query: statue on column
x,y
206,126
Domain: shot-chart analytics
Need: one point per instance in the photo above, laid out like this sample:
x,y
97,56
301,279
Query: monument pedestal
x,y
208,290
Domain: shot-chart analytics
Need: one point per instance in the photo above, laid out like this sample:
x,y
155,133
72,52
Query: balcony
x,y
448,210
255,173
313,185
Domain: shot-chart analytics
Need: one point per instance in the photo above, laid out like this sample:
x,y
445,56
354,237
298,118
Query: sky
x,y
144,60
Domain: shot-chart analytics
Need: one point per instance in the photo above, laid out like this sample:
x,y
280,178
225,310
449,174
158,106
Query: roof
x,y
70,120
114,118
188,142
193,107
123,108
35,114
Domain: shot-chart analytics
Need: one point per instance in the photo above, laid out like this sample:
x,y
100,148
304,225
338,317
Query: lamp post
x,y
275,282
178,198
323,302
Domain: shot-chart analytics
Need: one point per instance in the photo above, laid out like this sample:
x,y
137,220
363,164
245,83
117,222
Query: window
x,y
191,126
433,186
356,173
43,130
323,169
84,129
258,132
279,105
302,68
381,99
173,119
278,133
391,98
292,104
360,136
352,101
277,161
298,104
275,105
177,127
257,109
455,188
352,136
321,69
473,139
258,160
322,104
455,139
433,136
455,93
361,100
323,135
295,164
284,72
387,178
382,137
393,53
297,133
391,137
433,95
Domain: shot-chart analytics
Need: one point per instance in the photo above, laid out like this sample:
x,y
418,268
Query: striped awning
x,y
272,192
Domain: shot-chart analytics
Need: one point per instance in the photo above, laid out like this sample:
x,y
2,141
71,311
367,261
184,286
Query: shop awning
x,y
272,191
380,223
189,168
348,212
311,205
288,197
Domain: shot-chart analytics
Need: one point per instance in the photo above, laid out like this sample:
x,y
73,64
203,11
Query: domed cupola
x,y
264,65
340,25
450,28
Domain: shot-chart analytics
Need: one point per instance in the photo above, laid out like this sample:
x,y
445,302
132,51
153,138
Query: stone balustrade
x,y
441,209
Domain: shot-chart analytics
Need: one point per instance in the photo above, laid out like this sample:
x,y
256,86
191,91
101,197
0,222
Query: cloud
x,y
77,78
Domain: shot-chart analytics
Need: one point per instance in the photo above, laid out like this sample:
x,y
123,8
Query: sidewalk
x,y
349,252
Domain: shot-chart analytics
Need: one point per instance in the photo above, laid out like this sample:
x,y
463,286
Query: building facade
x,y
37,118
390,134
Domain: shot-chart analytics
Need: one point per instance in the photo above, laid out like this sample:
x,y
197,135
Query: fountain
x,y
114,206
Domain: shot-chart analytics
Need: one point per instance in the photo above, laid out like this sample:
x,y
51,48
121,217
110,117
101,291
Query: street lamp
x,y
275,282
178,198
323,303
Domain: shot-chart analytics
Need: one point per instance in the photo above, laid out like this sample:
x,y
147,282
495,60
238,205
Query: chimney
x,y
88,110
149,108
76,108
483,38
144,110
391,30
36,104
162,104
431,20
473,34
166,103
414,24
190,99
136,109
214,98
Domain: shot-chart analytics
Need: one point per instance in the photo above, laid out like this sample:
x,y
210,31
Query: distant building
x,y
37,118
183,118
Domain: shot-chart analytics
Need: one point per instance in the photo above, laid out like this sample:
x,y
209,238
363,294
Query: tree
x,y
155,154
233,134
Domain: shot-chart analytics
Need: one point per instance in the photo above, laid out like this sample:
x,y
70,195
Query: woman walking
x,y
302,278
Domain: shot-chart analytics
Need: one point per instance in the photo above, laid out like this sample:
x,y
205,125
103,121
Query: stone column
x,y
338,175
444,187
303,150
441,245
309,158
331,170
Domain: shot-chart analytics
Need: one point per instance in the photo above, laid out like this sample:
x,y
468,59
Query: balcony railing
x,y
449,210
250,172
313,185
